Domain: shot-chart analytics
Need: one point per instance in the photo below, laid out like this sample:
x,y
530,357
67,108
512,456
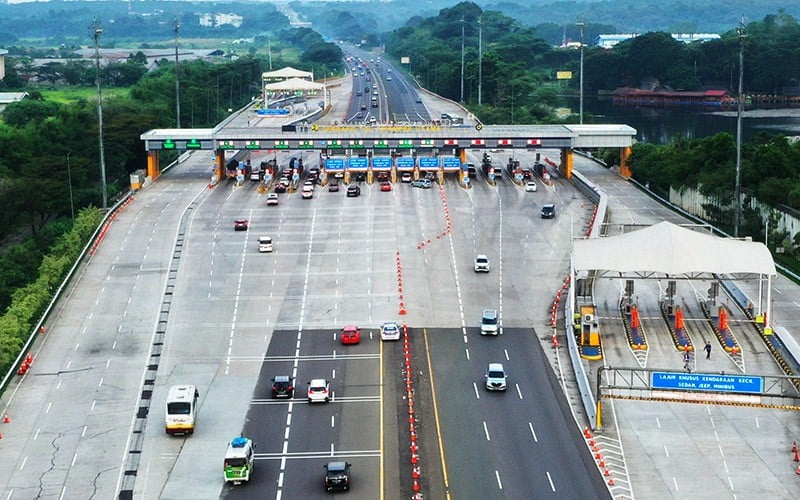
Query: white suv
x,y
481,264
318,391
390,331
496,377
489,322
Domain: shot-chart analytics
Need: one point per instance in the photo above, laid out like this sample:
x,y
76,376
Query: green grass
x,y
71,94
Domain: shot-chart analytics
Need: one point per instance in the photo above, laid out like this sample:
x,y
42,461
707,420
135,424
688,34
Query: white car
x,y
481,264
390,331
318,391
496,377
272,199
530,187
406,177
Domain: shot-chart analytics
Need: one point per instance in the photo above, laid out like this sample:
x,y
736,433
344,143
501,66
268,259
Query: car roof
x,y
318,381
390,323
482,256
496,367
490,312
282,378
336,466
549,205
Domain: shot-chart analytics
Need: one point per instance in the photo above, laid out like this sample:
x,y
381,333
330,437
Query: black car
x,y
337,476
353,191
282,387
383,176
548,211
280,188
333,187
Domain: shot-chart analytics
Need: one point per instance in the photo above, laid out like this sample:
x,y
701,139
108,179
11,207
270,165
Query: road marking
x,y
533,433
100,384
519,392
499,483
37,434
332,421
436,415
83,432
505,351
666,451
550,480
757,427
466,351
74,458
475,387
48,407
658,422
22,466
58,385
675,484
486,431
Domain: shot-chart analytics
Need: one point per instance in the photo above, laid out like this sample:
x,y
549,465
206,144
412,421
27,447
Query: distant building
x,y
7,98
608,41
3,63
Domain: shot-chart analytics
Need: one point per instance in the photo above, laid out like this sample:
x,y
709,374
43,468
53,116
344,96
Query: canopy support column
x,y
566,162
219,163
152,165
624,169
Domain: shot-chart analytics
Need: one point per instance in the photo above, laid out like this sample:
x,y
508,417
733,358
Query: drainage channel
x,y
133,451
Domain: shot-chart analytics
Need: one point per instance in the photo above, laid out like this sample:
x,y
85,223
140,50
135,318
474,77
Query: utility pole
x,y
581,24
177,88
480,60
69,180
462,60
96,31
737,193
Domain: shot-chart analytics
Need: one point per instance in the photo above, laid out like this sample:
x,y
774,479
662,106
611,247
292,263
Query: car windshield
x,y
496,374
490,320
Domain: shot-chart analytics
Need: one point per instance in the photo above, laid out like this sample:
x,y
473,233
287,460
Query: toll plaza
x,y
425,142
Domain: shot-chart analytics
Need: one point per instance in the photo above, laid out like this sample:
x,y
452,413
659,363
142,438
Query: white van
x,y
264,243
308,191
181,409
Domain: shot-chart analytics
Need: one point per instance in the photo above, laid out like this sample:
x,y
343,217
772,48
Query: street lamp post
x,y
97,31
737,193
462,61
581,24
480,59
177,87
69,180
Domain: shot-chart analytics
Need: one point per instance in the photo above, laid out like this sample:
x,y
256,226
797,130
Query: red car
x,y
240,225
386,186
351,335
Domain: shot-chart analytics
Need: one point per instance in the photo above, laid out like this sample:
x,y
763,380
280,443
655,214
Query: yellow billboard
x,y
563,75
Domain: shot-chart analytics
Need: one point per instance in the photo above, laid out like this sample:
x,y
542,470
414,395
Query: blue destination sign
x,y
405,162
707,382
357,162
334,164
381,162
452,162
272,111
428,162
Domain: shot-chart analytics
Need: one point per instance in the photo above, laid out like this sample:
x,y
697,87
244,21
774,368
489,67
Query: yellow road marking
x,y
436,416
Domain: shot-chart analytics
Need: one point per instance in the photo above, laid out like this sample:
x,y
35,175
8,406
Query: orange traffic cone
x,y
7,420
794,447
796,454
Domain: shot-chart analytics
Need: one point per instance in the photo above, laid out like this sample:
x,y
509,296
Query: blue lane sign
x,y
381,162
428,162
710,382
357,162
452,162
334,164
405,162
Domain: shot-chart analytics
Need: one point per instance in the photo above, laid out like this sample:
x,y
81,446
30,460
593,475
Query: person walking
x,y
707,348
687,360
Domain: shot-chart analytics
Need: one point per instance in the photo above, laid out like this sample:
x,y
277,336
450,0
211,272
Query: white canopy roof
x,y
674,250
287,72
294,84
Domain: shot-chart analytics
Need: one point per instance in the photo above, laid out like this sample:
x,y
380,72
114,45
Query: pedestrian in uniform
x,y
687,359
707,348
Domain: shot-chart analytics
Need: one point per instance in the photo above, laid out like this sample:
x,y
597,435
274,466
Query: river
x,y
658,125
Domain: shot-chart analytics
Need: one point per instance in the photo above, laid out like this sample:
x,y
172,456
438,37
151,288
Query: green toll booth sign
x,y
381,144
193,144
168,144
252,145
281,145
226,145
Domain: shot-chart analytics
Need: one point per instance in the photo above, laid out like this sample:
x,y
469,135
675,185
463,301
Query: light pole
x,y
177,88
97,30
581,24
69,179
737,193
462,61
480,59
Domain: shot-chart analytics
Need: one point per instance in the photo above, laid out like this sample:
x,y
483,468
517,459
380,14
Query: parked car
x,y
240,225
272,199
318,391
351,335
353,191
337,476
282,387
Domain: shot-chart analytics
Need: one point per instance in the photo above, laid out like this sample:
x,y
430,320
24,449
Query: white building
x,y
3,63
608,41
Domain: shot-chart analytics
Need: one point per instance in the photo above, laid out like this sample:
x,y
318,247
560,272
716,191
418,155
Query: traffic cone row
x,y
402,310
415,470
448,226
26,364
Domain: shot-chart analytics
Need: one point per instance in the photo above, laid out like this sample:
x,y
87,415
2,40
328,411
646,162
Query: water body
x,y
657,125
